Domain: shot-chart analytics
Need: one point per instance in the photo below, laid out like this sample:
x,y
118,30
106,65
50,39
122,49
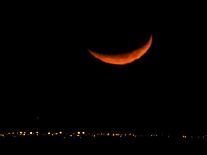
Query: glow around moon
x,y
123,59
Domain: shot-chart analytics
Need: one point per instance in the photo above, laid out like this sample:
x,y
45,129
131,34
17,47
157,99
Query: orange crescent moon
x,y
126,58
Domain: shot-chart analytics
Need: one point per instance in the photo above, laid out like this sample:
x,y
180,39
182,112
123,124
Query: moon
x,y
125,58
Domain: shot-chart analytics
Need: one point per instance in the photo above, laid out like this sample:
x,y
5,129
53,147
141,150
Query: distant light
x,y
31,133
79,132
83,133
108,134
60,132
48,133
184,136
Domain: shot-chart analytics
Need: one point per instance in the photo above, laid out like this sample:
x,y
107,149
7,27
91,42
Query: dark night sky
x,y
50,80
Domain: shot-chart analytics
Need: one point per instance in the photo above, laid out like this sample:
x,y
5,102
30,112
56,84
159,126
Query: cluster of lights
x,y
184,136
72,134
188,137
49,133
80,134
19,133
104,134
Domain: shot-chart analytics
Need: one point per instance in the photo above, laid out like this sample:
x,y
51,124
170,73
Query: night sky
x,y
49,79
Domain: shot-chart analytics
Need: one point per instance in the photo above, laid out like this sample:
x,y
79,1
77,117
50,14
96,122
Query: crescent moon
x,y
123,59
